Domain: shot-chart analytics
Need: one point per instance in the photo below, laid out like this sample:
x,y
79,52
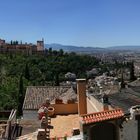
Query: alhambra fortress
x,y
15,46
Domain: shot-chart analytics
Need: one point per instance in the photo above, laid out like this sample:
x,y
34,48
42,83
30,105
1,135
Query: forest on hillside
x,y
17,71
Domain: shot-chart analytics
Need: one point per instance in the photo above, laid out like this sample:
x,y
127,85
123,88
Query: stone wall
x,y
129,130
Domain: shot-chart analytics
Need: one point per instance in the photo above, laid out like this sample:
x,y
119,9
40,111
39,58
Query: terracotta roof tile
x,y
102,116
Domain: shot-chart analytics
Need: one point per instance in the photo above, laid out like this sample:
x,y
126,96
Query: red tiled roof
x,y
102,116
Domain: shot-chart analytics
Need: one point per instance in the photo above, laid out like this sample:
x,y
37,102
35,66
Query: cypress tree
x,y
21,96
57,82
11,42
27,74
132,73
122,81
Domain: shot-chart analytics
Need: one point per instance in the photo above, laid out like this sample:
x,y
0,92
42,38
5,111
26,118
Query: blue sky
x,y
97,23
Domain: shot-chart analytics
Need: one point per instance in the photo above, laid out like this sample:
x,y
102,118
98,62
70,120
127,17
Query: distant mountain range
x,y
70,48
133,48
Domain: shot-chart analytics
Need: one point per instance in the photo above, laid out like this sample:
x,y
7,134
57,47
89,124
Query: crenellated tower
x,y
40,45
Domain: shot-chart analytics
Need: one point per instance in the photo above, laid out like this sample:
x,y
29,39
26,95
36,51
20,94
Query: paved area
x,y
29,126
59,126
63,125
31,136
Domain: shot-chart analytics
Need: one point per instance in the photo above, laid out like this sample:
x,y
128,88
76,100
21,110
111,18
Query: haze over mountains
x,y
70,48
128,47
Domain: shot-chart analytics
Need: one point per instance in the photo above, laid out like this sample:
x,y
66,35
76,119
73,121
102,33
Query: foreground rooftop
x,y
125,99
102,116
62,126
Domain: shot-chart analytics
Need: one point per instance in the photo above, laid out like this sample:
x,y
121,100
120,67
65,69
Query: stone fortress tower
x,y
40,45
2,42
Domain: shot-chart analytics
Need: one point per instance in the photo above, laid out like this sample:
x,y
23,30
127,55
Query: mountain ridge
x,y
126,47
70,48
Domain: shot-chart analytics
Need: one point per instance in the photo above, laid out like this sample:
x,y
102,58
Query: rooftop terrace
x,y
62,125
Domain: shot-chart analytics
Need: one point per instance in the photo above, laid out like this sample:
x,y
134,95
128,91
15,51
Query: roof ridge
x,y
102,116
94,113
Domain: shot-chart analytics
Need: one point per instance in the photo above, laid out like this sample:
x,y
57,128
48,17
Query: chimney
x,y
81,91
105,102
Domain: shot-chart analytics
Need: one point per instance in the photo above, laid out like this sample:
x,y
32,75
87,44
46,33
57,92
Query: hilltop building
x,y
2,42
40,45
15,46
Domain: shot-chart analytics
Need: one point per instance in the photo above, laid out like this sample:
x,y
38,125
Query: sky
x,y
96,23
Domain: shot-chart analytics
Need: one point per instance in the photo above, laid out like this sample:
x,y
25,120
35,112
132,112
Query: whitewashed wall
x,y
130,127
93,105
129,131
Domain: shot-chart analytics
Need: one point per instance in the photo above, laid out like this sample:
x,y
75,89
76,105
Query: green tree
x,y
21,96
50,51
132,72
57,81
16,42
27,73
61,52
122,80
